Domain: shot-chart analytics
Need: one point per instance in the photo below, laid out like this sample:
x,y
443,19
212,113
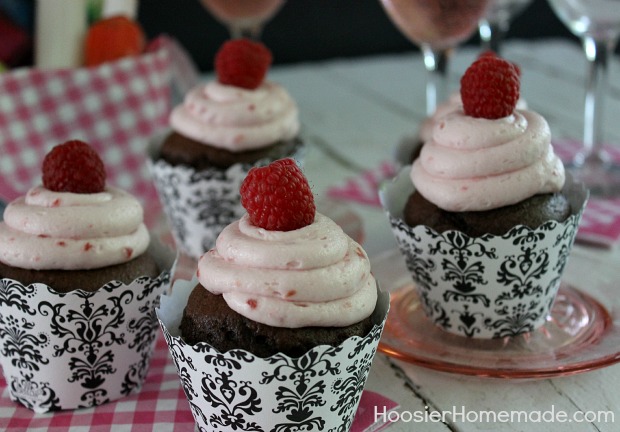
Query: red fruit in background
x,y
277,197
242,63
111,39
73,167
490,88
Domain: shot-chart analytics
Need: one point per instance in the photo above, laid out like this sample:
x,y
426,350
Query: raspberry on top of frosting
x,y
73,167
487,154
242,63
311,275
241,110
278,197
69,223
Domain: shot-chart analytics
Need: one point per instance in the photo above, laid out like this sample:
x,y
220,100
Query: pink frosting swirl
x,y
312,276
453,103
48,230
475,164
237,119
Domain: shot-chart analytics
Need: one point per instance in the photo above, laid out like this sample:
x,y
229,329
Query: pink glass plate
x,y
580,334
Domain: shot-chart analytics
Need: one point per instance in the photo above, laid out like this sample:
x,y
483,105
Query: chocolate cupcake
x,y
79,281
531,212
485,217
74,232
283,289
221,130
207,318
64,281
410,147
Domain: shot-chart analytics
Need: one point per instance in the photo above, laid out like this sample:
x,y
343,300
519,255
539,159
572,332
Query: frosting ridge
x,y
70,231
475,164
237,119
312,276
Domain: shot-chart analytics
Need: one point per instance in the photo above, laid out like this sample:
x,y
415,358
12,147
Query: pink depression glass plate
x,y
580,333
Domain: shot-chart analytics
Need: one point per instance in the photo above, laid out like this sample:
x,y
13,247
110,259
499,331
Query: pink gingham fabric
x,y
600,224
363,189
116,107
160,406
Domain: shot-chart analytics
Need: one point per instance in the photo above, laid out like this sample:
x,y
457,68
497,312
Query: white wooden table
x,y
353,113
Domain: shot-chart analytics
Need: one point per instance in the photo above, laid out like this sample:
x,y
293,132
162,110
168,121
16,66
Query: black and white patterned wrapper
x,y
488,286
237,391
80,349
199,204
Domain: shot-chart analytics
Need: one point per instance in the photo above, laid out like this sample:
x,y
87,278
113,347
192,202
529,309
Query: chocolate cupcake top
x,y
285,265
486,154
73,221
240,110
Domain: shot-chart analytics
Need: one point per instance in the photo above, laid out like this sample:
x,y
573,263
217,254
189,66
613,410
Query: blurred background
x,y
303,30
307,30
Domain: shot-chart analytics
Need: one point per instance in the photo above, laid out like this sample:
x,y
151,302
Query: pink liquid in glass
x,y
230,11
439,23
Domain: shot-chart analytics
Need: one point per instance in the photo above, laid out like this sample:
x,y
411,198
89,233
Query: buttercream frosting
x,y
47,230
235,118
475,164
312,276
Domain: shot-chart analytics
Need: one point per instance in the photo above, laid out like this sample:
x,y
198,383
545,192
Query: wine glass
x,y
496,22
437,27
244,18
597,23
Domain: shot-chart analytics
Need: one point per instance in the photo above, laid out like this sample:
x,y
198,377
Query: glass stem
x,y
436,64
492,34
597,54
252,32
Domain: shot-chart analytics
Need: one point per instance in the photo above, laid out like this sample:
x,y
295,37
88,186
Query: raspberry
x,y
242,63
73,167
111,39
277,197
491,53
490,88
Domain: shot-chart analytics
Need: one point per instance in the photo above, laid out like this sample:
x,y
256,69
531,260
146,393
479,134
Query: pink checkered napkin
x,y
600,224
115,107
363,188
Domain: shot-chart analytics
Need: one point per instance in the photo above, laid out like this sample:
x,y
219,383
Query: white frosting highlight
x,y
313,276
237,119
48,230
475,164
453,103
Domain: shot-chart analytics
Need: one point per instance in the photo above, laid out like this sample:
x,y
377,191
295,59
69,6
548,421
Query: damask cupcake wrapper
x,y
199,204
489,286
79,349
237,391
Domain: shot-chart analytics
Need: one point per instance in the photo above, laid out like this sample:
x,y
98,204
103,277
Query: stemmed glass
x,y
496,22
597,23
437,27
244,18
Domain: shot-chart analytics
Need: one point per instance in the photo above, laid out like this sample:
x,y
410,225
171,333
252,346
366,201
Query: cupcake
x,y
409,148
485,216
79,281
283,313
221,130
